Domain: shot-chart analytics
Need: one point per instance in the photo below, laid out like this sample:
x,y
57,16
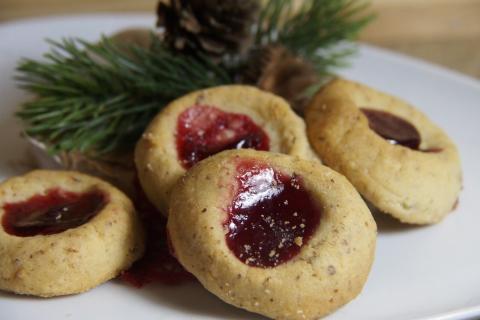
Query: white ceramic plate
x,y
419,273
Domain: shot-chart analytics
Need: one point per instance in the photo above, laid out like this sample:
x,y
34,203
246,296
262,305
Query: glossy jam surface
x,y
53,212
204,130
271,217
392,128
157,265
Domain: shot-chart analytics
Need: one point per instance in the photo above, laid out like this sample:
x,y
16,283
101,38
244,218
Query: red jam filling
x,y
203,131
392,128
54,212
157,265
271,217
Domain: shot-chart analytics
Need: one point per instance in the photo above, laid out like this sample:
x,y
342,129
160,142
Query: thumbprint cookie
x,y
398,159
206,122
64,233
274,234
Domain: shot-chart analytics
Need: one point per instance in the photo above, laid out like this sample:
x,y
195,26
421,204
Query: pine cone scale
x,y
190,24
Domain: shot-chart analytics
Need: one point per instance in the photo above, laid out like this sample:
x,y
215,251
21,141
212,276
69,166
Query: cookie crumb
x,y
298,241
147,136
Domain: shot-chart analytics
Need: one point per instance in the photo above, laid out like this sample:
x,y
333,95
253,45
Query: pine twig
x,y
314,29
98,97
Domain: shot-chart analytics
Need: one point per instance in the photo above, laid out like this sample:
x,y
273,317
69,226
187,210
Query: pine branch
x,y
314,29
97,97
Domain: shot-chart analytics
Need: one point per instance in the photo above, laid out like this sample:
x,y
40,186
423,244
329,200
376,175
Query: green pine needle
x,y
98,97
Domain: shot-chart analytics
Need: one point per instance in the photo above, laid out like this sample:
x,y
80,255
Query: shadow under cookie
x,y
193,299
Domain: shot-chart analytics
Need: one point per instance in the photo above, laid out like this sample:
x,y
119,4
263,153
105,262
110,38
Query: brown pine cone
x,y
214,27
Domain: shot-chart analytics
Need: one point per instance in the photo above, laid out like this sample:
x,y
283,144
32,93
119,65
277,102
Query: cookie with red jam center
x,y
398,159
209,121
274,234
63,233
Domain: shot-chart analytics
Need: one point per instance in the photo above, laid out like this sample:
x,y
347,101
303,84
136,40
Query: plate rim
x,y
386,53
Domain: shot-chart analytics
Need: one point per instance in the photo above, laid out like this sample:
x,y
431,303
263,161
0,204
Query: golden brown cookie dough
x,y
415,186
328,268
156,156
37,259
